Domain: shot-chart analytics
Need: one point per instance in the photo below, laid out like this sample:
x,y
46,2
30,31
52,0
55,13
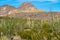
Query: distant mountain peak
x,y
26,5
7,7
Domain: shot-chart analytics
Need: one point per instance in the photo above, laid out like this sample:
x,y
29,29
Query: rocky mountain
x,y
5,9
25,7
28,7
26,10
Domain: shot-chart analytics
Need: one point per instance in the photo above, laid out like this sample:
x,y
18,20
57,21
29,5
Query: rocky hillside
x,y
5,9
26,10
25,7
28,7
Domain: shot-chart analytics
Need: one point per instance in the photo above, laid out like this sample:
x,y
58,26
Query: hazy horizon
x,y
39,4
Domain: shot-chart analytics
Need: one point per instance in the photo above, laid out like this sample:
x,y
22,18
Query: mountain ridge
x,y
21,6
25,7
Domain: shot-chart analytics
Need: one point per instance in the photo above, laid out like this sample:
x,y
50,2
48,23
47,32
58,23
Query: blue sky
x,y
46,5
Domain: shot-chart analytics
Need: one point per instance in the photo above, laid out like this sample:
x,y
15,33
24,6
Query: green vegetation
x,y
30,29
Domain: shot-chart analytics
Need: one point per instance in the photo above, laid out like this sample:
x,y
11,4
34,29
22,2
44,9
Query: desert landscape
x,y
28,23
